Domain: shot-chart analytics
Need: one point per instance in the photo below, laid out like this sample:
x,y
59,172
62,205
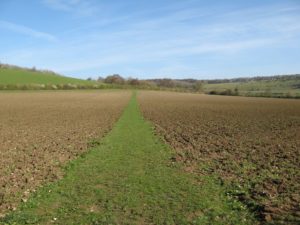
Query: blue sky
x,y
151,39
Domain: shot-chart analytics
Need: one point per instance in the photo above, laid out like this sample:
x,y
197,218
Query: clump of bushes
x,y
266,93
229,92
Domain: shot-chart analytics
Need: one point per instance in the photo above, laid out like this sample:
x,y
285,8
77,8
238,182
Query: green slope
x,y
14,76
273,87
130,179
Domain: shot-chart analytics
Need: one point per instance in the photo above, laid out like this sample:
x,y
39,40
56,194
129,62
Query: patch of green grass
x,y
128,178
15,76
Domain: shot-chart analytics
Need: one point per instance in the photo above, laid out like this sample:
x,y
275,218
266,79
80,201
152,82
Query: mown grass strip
x,y
129,179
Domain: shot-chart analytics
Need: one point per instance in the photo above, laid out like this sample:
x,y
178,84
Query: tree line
x,y
166,83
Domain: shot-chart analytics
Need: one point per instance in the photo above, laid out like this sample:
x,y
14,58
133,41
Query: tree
x,y
100,79
236,91
133,81
114,79
198,86
166,83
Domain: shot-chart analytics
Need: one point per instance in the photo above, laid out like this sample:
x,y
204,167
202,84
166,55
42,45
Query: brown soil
x,y
251,144
41,131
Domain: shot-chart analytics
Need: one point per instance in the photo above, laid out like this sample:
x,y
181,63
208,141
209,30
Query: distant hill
x,y
271,86
276,86
19,78
16,75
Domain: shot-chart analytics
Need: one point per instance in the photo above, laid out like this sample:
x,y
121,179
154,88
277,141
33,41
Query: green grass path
x,y
129,179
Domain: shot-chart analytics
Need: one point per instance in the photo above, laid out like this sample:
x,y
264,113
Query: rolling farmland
x,y
129,179
151,157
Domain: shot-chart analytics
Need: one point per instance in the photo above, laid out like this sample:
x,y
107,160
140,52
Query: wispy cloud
x,y
182,38
80,7
26,31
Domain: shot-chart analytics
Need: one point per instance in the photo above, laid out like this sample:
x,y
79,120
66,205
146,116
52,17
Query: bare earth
x,y
251,144
41,131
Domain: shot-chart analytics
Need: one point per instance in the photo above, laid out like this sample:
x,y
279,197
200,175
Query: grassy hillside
x,y
284,86
22,76
279,87
17,78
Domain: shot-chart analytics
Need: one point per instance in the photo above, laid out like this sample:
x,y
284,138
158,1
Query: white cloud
x,y
26,31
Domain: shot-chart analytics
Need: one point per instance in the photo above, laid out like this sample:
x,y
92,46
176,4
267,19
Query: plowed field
x,y
251,144
41,131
